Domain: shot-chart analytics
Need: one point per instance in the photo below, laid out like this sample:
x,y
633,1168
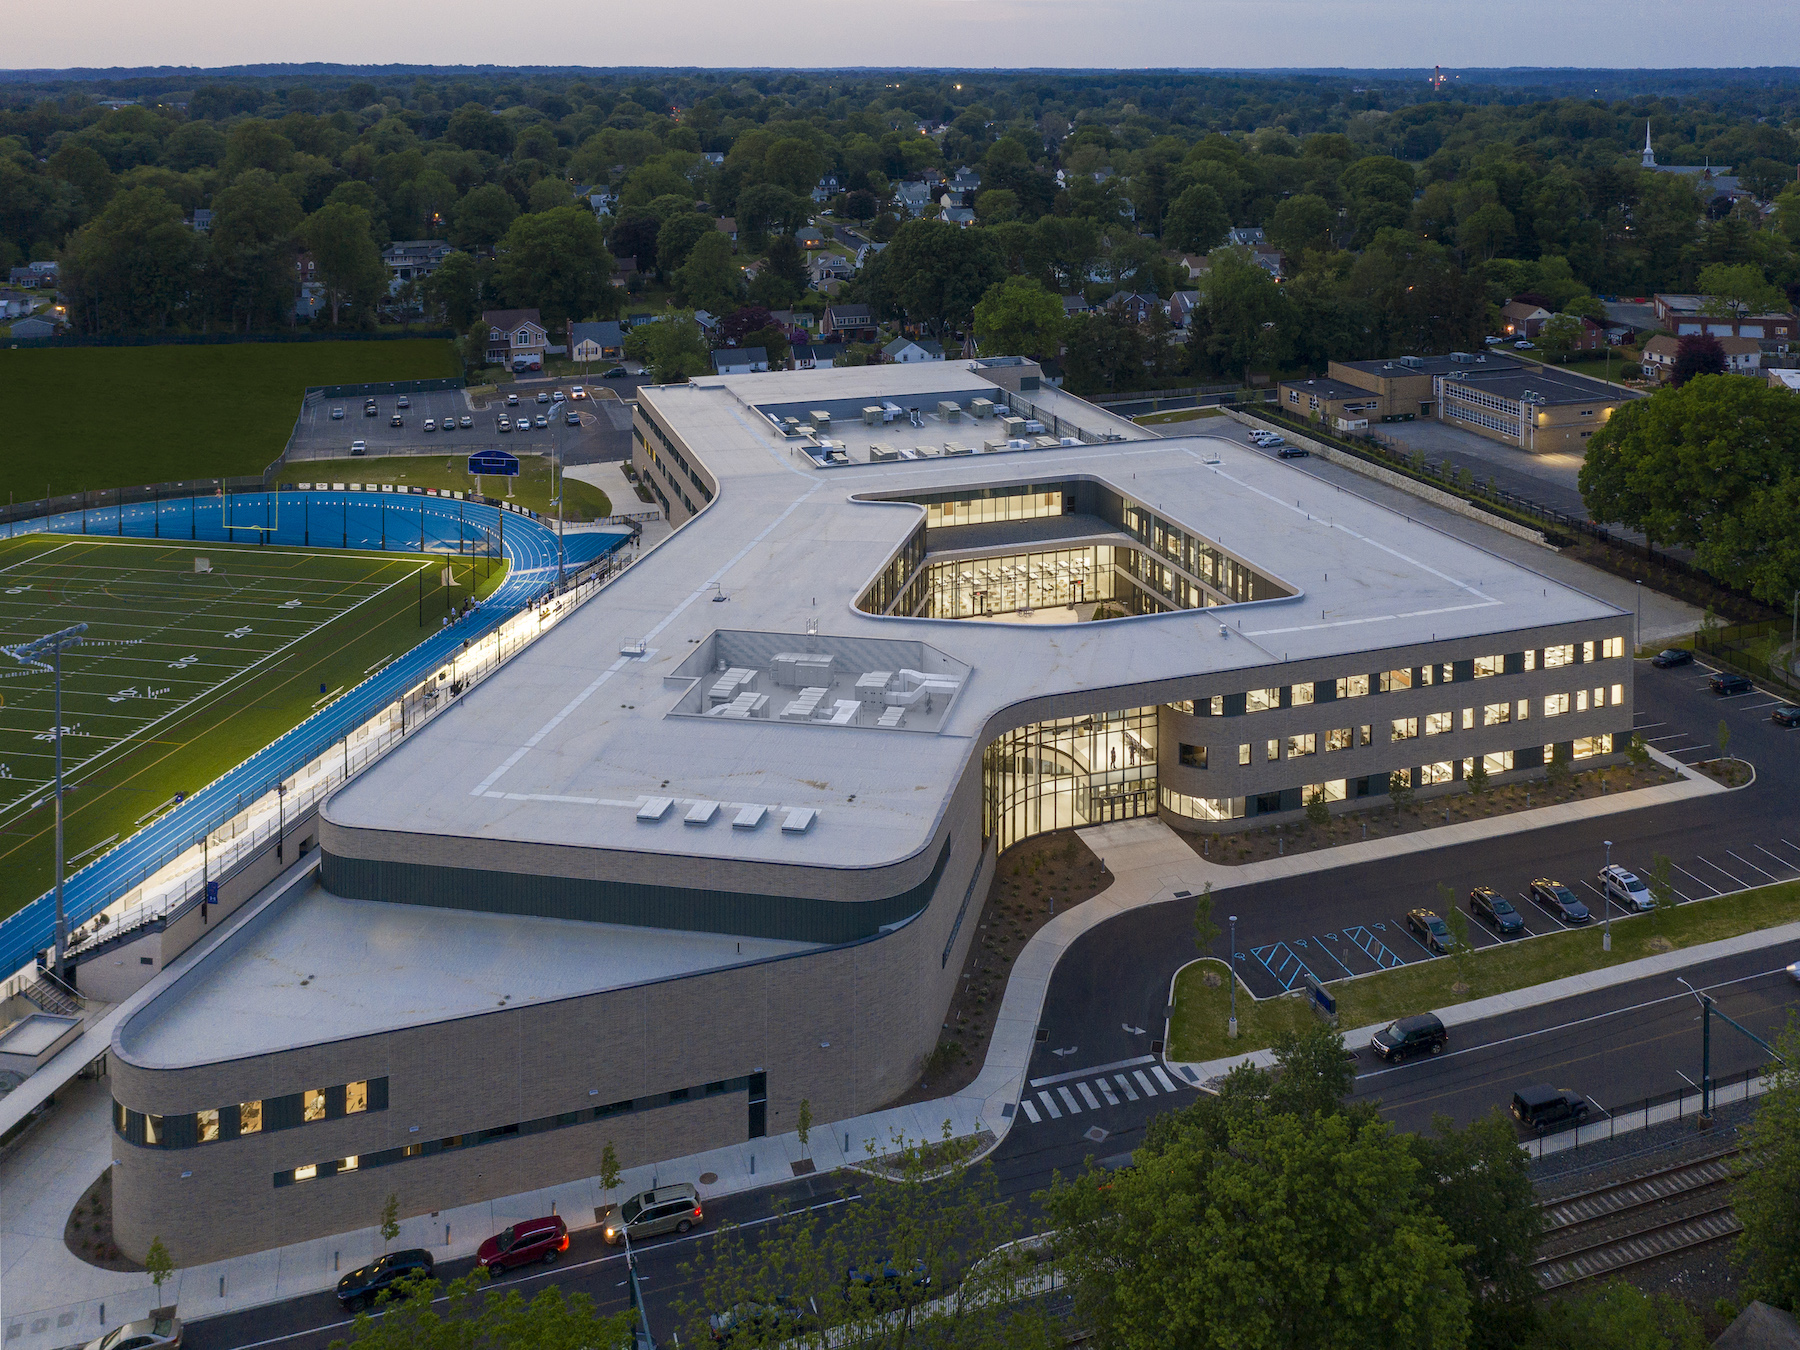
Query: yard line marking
x,y
1073,1074
1742,886
1087,1096
1143,1082
1112,1098
1163,1078
1752,866
1029,1110
1130,1095
1069,1101
1691,877
1780,862
1050,1106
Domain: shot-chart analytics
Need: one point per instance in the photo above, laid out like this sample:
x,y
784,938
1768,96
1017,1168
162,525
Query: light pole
x,y
1606,904
1705,1050
31,654
1231,976
281,818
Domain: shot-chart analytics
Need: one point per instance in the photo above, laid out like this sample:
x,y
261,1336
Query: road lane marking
x,y
1069,1101
1050,1106
1130,1095
1143,1082
1073,1074
1087,1096
1029,1110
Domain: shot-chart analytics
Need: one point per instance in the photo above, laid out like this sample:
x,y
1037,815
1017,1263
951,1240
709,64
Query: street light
x,y
1606,903
31,654
1231,976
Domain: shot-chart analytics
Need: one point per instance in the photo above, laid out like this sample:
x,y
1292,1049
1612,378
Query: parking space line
x,y
1792,845
1373,947
1691,877
1333,955
1606,901
1646,726
1415,942
1672,736
1125,1087
1544,910
1752,866
1710,863
1689,749
1780,862
1772,703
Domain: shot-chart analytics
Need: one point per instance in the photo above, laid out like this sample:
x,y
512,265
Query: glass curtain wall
x,y
1006,504
1070,772
974,587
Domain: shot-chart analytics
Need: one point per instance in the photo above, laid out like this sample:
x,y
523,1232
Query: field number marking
x,y
245,631
183,663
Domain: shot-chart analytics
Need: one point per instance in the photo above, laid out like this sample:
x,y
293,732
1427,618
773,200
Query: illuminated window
x,y
315,1104
1612,647
206,1124
1446,673
1600,696
1334,791
1405,729
1340,739
1524,709
1500,761
1587,652
249,1117
1301,745
1580,701
1468,718
1618,694
306,1173
1588,746
1442,772
347,1164
1426,674
1399,778
1555,705
1436,724
1261,700
1368,733
153,1129
1273,750
1244,754
1559,656
1352,686
1489,665
1394,680
356,1098
1496,714
1303,693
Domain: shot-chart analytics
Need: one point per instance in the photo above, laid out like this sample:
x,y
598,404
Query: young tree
x,y
803,1125
1462,951
1723,737
1477,777
1400,788
1317,812
390,1218
1206,932
1019,317
609,1167
158,1265
1769,1179
1661,882
1637,750
1556,771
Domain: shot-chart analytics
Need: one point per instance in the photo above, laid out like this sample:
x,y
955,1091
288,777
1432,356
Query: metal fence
x,y
1730,646
1678,1105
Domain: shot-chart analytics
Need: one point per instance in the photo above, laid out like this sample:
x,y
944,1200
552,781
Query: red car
x,y
532,1240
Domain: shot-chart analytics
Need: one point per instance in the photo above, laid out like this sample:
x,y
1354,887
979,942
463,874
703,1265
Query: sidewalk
x,y
1149,863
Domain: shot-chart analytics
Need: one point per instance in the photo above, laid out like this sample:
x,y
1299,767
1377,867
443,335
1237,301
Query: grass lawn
x,y
531,488
80,418
1425,986
182,675
1595,366
1180,415
1203,1012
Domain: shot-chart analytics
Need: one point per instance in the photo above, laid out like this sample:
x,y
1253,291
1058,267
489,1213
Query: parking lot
x,y
1677,715
319,435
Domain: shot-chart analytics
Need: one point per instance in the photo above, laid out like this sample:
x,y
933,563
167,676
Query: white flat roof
x,y
325,969
566,742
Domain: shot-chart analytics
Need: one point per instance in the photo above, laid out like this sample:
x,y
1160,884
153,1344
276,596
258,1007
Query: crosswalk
x,y
1099,1088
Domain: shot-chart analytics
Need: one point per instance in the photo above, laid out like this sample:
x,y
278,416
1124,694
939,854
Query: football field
x,y
196,655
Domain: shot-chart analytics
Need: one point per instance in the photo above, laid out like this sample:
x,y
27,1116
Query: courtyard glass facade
x,y
1069,772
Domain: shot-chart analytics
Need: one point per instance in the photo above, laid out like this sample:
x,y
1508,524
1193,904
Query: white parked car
x,y
337,414
1625,888
153,1333
431,424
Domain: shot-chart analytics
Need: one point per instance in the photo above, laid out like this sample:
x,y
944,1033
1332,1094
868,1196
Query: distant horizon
x,y
450,67
1187,36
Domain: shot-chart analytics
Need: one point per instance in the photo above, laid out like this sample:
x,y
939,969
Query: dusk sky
x,y
960,33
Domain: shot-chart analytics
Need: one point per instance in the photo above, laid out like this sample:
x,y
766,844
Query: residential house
x,y
1075,304
1181,307
708,323
596,341
740,360
824,267
623,270
33,275
1785,379
817,355
826,189
1522,318
16,304
960,216
1683,314
716,158
516,337
853,323
603,200
1270,260
1138,307
965,179
33,328
808,237
1743,356
1196,265
1247,237
413,260
727,226
915,199
904,351
202,222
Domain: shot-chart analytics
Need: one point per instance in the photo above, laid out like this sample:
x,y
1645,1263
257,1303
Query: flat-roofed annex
x,y
785,545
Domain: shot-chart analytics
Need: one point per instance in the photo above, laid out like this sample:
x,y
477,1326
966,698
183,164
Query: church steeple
x,y
1649,161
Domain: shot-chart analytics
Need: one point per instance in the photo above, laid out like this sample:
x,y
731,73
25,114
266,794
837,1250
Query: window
x,y
315,1104
1555,705
1340,739
1496,714
1611,647
1261,700
1436,724
1618,694
1193,756
207,1126
306,1173
1303,693
1203,808
1301,745
1468,719
249,1117
1500,761
1352,686
1334,791
1559,656
348,1164
1588,746
356,1098
1243,755
1274,751
1489,665
153,1130
1442,772
1201,707
1425,674
1587,653
1446,673
1400,778
1600,696
1368,734
1524,709
1580,700
1405,729
1394,680
1531,659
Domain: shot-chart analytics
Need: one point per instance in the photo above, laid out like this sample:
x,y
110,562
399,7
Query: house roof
x,y
1523,309
1666,347
857,316
1760,1327
1075,304
739,356
509,319
899,345
608,333
1329,389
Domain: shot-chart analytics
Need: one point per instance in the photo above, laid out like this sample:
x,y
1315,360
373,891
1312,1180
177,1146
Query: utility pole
x,y
1707,1006
1231,976
1606,905
31,654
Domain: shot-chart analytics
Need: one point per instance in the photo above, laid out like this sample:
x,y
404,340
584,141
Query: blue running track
x,y
397,522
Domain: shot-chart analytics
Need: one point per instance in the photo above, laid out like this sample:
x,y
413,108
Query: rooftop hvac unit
x,y
872,415
820,418
950,410
1413,362
982,407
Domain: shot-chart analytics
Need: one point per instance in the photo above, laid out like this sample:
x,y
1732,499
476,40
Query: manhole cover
x,y
1095,1135
707,1178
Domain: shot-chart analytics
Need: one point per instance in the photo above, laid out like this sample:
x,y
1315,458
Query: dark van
x,y
1541,1107
1410,1036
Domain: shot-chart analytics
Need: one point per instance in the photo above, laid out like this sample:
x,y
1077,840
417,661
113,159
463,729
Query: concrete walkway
x,y
42,1283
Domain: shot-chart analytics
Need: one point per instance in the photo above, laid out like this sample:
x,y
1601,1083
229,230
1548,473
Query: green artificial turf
x,y
181,675
583,501
86,418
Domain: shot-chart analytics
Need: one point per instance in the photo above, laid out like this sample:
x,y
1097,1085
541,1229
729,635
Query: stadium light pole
x,y
31,654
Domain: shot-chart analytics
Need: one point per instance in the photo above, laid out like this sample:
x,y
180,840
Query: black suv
x,y
1673,656
1560,901
1540,1106
1724,682
365,1284
1495,910
1409,1036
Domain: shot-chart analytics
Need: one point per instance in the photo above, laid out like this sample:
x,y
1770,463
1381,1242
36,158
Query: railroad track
x,y
1604,1256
